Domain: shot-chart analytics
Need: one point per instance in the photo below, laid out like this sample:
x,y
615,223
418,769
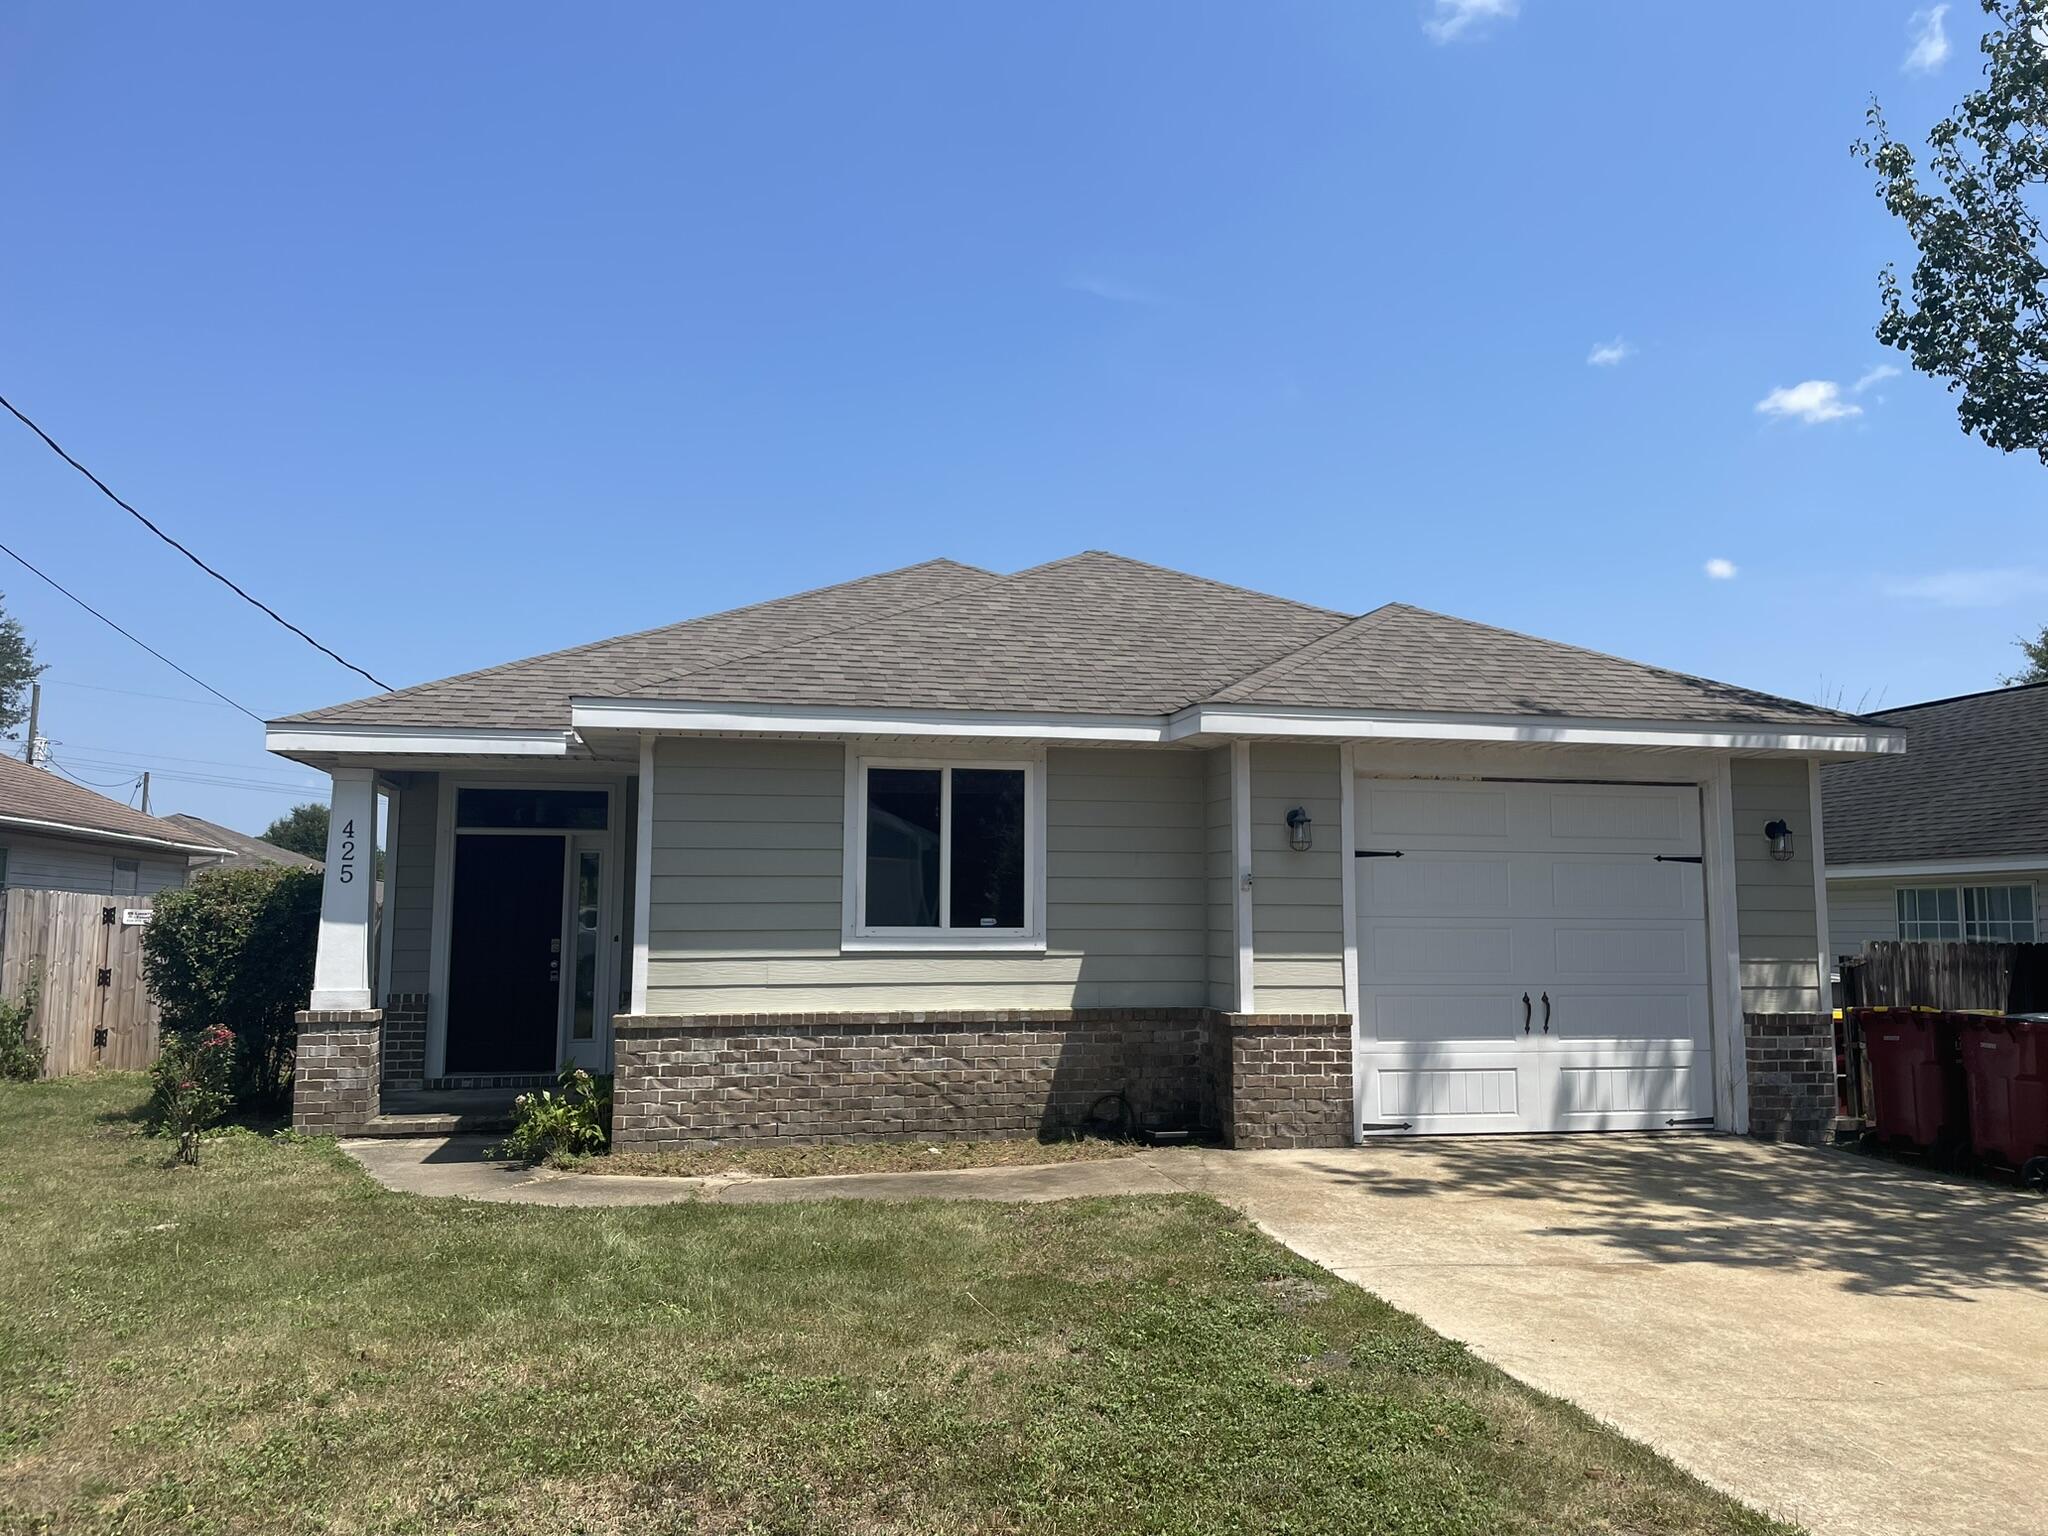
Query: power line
x,y
219,780
92,783
106,491
159,655
150,759
133,693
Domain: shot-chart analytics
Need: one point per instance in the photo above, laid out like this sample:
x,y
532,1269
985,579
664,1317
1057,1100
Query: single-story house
x,y
59,836
242,850
1950,841
945,852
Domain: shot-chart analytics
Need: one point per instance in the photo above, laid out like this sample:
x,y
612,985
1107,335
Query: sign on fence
x,y
94,1010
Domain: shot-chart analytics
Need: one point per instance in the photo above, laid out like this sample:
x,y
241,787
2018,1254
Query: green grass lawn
x,y
803,1160
270,1342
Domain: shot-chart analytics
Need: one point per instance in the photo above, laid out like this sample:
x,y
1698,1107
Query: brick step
x,y
459,1124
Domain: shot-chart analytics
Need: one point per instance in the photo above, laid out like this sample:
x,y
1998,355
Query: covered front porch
x,y
502,951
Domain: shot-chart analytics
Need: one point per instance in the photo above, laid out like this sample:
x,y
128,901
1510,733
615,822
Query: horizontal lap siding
x,y
1297,898
52,864
410,891
747,873
1862,910
1219,861
1776,931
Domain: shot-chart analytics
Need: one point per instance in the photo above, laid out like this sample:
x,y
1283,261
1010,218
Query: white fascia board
x,y
801,720
34,824
1415,725
1936,868
414,740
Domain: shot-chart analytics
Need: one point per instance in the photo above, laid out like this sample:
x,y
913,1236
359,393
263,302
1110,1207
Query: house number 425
x,y
347,859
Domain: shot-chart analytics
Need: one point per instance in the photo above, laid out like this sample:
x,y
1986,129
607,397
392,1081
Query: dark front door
x,y
504,954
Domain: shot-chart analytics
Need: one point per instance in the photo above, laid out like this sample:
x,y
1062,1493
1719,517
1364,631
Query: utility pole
x,y
145,791
35,719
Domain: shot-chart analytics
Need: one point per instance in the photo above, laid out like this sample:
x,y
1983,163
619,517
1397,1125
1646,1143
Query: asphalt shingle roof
x,y
1095,633
246,852
1973,784
36,794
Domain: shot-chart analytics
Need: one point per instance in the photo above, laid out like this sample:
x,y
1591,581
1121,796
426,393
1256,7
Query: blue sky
x,y
462,333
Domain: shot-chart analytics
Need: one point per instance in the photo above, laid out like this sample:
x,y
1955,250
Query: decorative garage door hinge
x,y
1695,1120
1678,858
1376,853
1389,1125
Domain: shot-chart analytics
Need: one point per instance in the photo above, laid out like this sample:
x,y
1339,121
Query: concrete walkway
x,y
1847,1344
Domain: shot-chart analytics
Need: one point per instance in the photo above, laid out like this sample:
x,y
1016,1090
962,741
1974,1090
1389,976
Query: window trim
x,y
857,937
1961,888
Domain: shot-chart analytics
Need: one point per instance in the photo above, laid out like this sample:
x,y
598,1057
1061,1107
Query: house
x,y
947,852
1950,842
242,850
59,836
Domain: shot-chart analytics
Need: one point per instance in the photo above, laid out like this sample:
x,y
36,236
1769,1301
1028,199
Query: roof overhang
x,y
310,740
595,716
41,826
1937,869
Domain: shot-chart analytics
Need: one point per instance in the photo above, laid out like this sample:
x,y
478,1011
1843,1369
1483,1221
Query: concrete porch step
x,y
435,1124
443,1112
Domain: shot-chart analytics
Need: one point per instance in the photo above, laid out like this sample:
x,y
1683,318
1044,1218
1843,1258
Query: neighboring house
x,y
1951,841
243,851
59,836
945,852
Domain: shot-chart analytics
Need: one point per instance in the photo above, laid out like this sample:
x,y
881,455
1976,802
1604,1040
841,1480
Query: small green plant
x,y
192,1085
21,1053
577,1119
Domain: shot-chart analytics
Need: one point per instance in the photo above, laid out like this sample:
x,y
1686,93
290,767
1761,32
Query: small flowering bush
x,y
576,1119
192,1085
21,1053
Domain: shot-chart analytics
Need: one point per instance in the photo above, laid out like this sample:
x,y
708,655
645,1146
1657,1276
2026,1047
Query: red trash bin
x,y
2005,1068
1915,1079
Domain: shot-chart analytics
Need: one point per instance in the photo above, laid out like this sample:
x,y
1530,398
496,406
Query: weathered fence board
x,y
67,938
2004,978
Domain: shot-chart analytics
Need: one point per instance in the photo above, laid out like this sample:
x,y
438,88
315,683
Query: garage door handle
x,y
1525,1013
1546,1013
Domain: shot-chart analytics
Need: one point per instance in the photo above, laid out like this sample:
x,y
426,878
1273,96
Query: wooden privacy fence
x,y
2000,978
94,1010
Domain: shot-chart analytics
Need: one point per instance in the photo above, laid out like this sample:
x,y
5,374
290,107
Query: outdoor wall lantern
x,y
1780,834
1300,830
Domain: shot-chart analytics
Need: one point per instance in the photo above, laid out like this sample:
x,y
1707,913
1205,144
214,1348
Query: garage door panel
x,y
1633,1017
1611,1097
1408,951
1652,819
1443,1016
1442,815
1610,951
1464,1095
1606,885
1437,885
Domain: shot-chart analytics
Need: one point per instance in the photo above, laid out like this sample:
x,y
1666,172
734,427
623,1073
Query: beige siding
x,y
1776,933
747,870
58,864
1220,870
1297,898
409,892
1862,910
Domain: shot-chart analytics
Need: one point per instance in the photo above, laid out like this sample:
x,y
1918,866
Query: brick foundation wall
x,y
336,1073
1288,1081
405,1041
941,1075
1791,1059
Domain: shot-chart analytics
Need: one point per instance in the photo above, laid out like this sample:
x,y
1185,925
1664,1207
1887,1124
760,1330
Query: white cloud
x,y
1113,290
1718,569
1452,19
1986,588
1872,376
1606,354
1930,41
1815,400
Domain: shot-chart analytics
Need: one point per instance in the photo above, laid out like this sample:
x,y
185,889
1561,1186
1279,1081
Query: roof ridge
x,y
1207,581
1280,666
1643,666
637,634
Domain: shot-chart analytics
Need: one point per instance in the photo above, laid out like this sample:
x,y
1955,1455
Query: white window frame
x,y
856,935
1962,888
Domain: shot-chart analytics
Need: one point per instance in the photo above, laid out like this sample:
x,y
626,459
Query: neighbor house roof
x,y
1094,633
1973,786
36,800
245,852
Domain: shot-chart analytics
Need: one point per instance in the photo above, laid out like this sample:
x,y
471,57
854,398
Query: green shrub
x,y
21,1054
578,1119
235,949
192,1085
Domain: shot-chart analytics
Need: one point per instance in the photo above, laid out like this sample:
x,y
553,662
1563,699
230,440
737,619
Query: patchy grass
x,y
798,1160
271,1343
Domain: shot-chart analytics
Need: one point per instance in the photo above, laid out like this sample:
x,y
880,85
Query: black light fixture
x,y
1780,834
1300,830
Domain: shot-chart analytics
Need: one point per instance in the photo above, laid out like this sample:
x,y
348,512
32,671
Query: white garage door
x,y
1531,957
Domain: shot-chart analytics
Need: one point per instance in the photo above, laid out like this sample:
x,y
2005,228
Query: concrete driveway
x,y
1844,1343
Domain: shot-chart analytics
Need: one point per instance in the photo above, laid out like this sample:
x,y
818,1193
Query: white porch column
x,y
341,969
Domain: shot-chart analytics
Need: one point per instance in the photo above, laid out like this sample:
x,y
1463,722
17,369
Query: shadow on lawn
x,y
1881,1229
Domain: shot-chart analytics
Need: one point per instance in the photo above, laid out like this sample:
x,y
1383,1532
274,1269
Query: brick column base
x,y
335,1075
1283,1080
1791,1058
405,1041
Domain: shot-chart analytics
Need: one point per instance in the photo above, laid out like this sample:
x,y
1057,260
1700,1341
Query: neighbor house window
x,y
2002,914
127,876
943,852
